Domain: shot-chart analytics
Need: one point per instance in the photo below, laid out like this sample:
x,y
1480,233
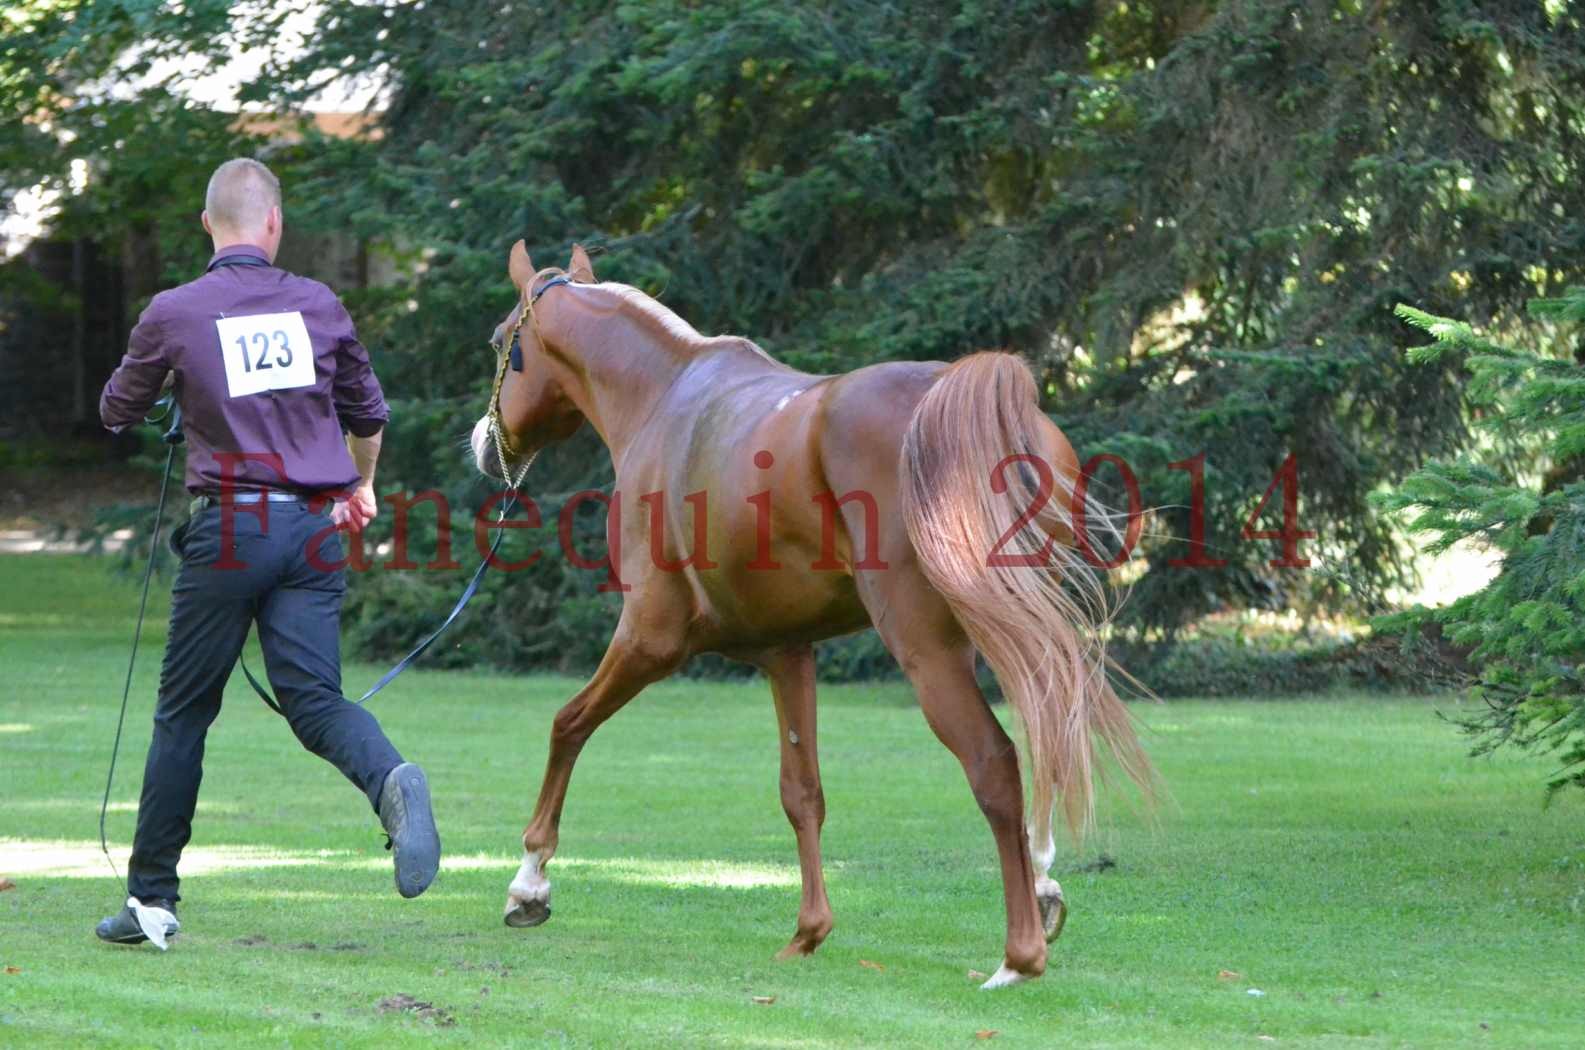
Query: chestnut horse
x,y
932,502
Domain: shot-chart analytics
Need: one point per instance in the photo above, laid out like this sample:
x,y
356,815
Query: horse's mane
x,y
660,318
663,320
655,314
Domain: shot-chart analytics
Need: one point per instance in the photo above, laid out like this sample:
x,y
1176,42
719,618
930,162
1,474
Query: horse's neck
x,y
625,370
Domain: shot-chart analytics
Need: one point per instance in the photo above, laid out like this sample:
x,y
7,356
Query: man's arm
x,y
135,386
360,507
365,455
360,406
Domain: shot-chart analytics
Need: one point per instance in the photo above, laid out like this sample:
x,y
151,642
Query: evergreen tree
x,y
1193,217
1526,628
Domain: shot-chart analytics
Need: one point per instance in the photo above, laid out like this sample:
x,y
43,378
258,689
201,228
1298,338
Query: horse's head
x,y
529,403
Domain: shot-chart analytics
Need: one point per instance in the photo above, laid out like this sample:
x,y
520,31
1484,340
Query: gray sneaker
x,y
123,927
410,825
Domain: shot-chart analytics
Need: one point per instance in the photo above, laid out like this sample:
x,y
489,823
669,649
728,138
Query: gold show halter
x,y
504,447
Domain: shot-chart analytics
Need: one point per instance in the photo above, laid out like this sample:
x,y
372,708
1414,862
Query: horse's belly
x,y
785,605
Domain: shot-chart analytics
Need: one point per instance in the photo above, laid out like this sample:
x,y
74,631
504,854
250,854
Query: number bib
x,y
266,352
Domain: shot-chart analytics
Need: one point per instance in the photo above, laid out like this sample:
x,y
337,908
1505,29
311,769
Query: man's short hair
x,y
240,195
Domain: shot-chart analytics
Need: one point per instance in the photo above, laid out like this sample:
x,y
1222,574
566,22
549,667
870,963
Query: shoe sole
x,y
418,855
134,941
136,937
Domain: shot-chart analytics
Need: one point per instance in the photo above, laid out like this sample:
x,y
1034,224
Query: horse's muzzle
x,y
485,457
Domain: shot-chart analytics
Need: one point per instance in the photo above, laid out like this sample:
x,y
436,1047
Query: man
x,y
268,372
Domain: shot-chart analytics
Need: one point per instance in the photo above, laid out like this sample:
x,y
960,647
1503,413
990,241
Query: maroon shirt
x,y
259,409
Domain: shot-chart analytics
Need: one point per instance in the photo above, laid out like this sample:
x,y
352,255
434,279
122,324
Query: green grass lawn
x,y
1343,857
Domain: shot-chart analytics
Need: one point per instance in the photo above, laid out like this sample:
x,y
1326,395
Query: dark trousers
x,y
266,575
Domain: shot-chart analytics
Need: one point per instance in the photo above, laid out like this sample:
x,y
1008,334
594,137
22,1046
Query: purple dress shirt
x,y
286,439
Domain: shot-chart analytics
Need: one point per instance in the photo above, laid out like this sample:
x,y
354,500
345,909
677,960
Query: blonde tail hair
x,y
1037,623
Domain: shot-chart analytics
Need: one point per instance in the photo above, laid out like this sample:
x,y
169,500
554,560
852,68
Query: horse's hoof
x,y
797,948
1004,977
528,913
1053,914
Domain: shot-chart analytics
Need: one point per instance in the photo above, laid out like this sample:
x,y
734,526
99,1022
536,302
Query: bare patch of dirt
x,y
1104,862
427,1012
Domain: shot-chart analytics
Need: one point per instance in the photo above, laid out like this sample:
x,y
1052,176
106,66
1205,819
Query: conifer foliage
x,y
1523,494
1192,216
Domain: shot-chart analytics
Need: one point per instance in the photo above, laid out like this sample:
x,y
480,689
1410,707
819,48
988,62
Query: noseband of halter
x,y
509,354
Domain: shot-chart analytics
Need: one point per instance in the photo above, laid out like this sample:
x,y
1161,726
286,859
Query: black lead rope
x,y
418,650
173,437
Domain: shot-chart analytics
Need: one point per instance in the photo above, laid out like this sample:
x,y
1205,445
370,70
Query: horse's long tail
x,y
1035,618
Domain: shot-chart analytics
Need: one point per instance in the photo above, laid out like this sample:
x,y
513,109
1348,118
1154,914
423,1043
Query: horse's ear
x,y
519,266
580,268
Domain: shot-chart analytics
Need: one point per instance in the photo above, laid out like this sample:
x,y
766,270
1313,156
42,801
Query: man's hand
x,y
357,510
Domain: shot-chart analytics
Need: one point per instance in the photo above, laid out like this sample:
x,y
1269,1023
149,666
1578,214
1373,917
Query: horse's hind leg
x,y
957,712
623,672
792,681
922,634
1048,892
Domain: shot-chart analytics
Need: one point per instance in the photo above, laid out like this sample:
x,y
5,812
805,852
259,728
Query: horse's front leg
x,y
624,671
792,680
